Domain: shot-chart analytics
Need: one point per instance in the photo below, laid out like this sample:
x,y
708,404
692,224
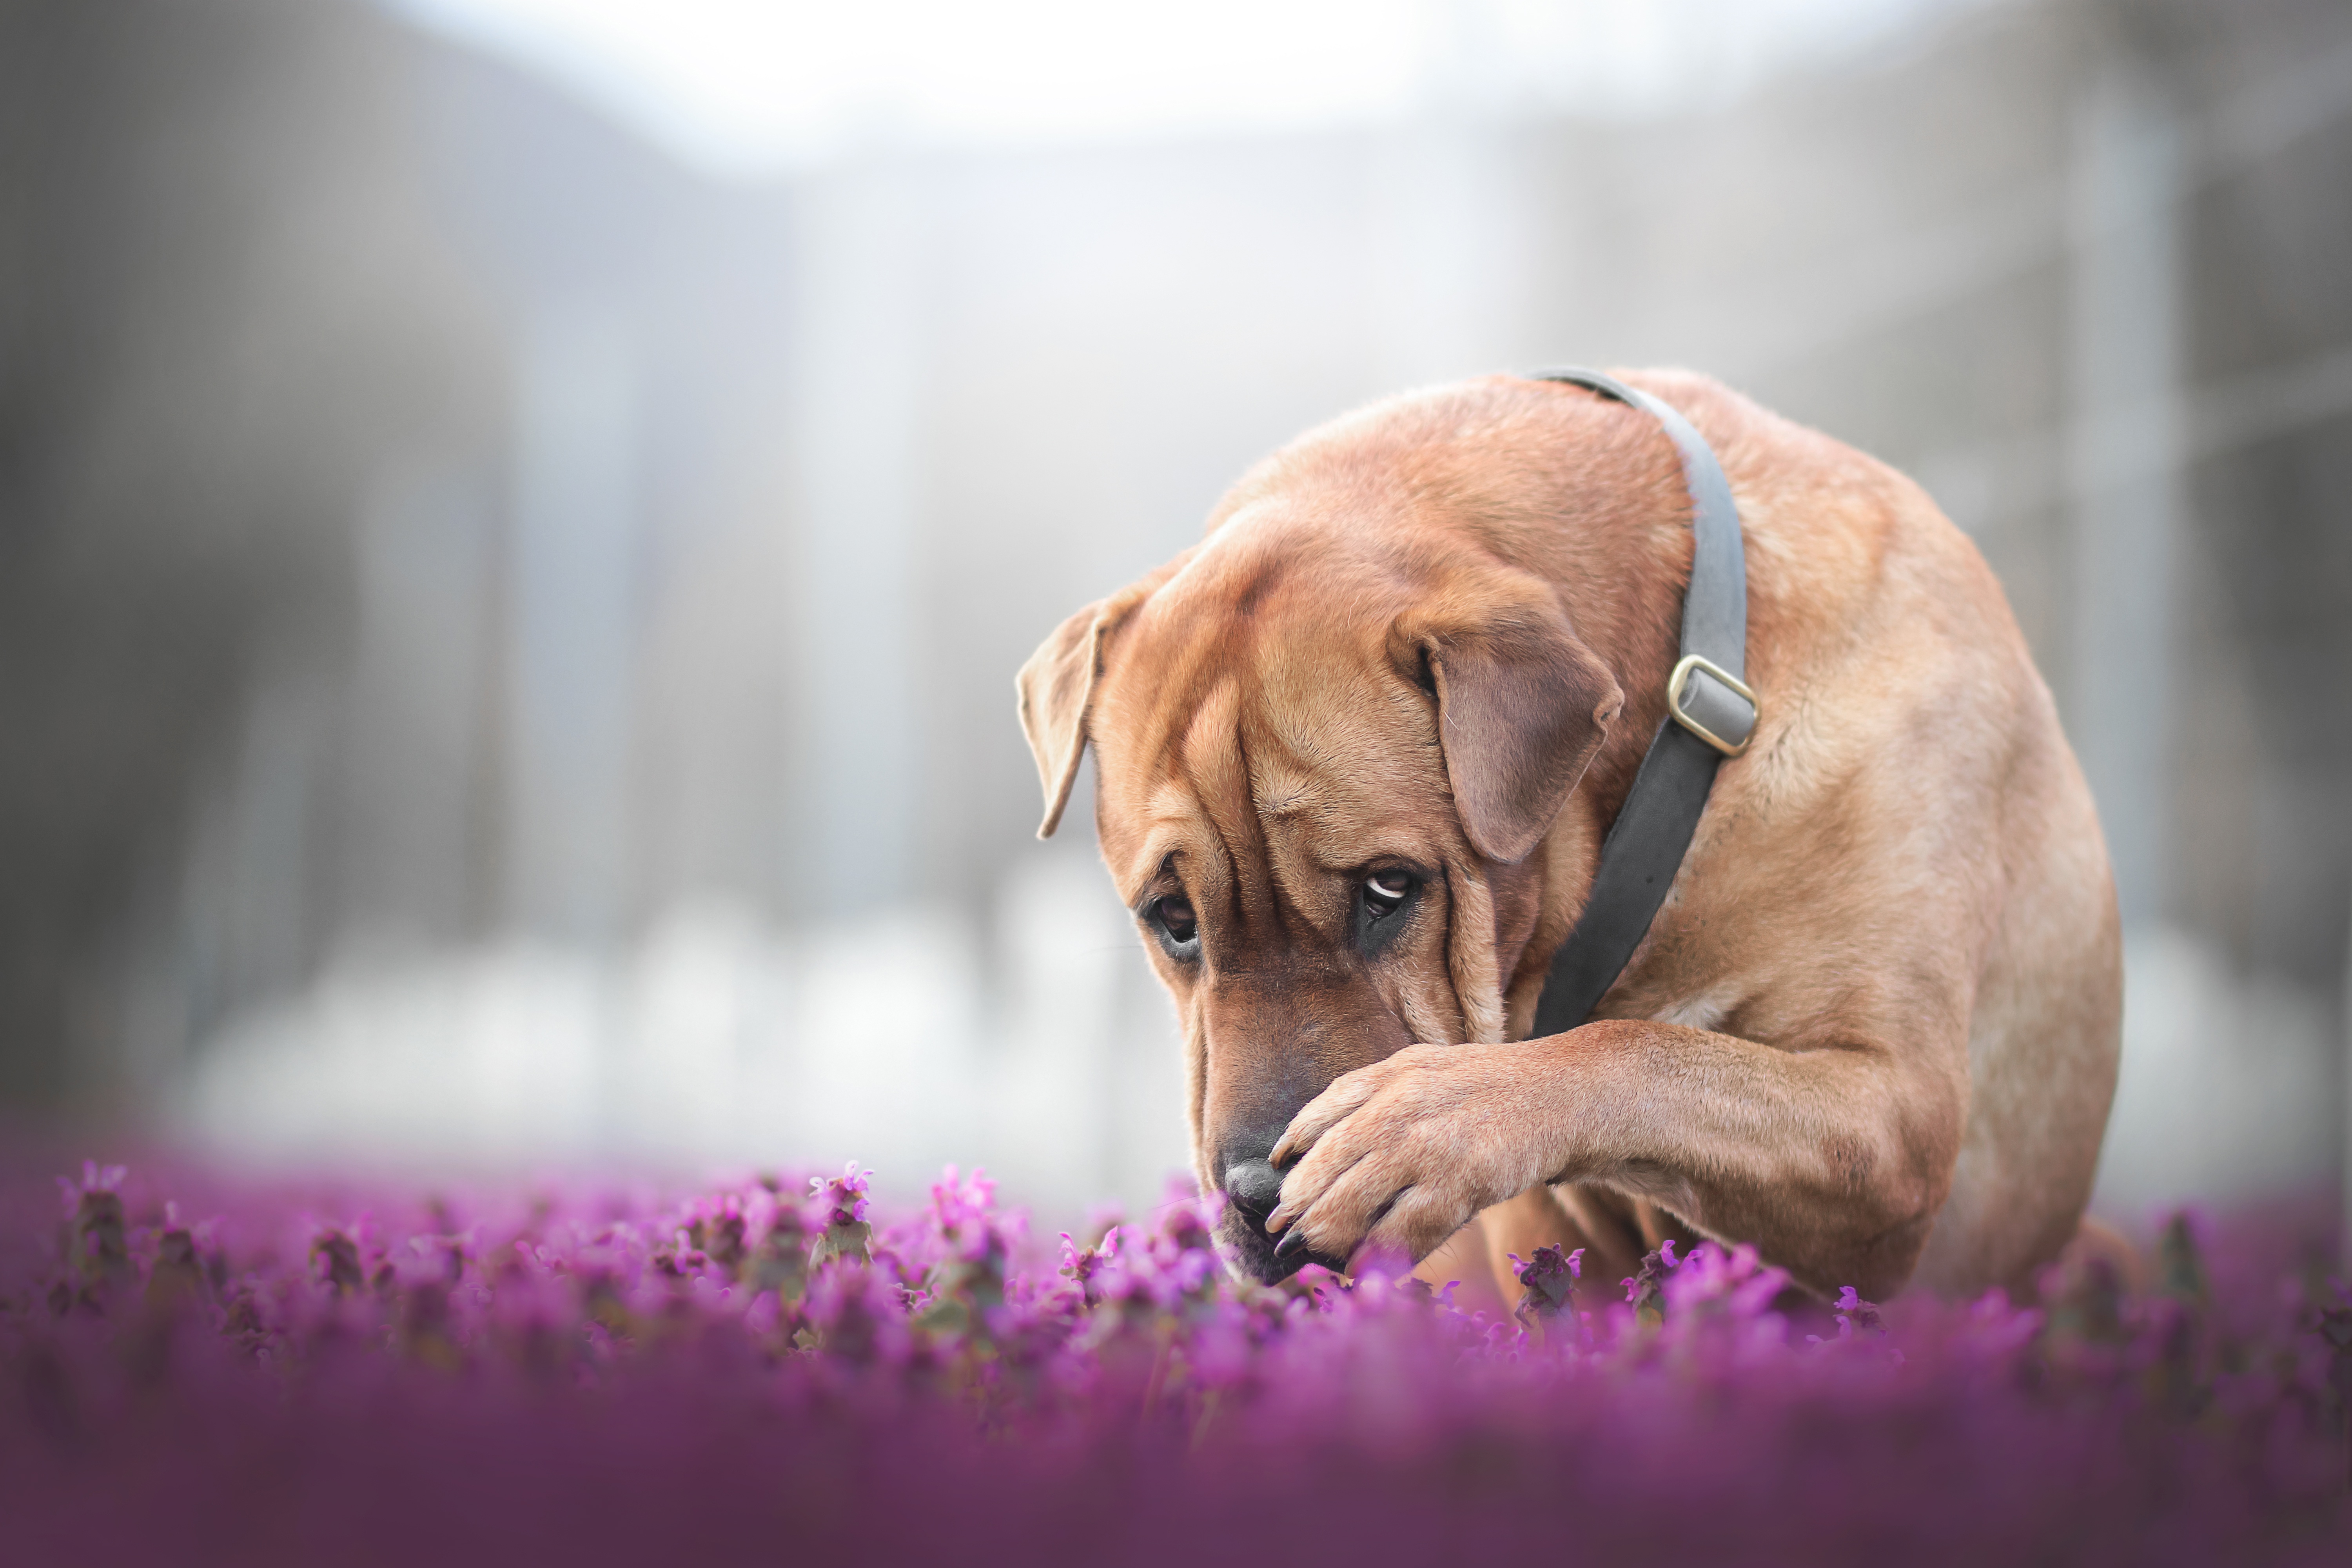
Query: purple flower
x,y
1853,1312
1646,1293
602,1376
842,1202
1548,1281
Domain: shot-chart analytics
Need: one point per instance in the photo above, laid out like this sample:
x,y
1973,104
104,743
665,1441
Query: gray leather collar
x,y
1711,714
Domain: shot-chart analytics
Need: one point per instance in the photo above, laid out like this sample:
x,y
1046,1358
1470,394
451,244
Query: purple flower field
x,y
778,1372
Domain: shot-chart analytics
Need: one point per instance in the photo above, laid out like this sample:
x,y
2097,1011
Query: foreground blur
x,y
519,1373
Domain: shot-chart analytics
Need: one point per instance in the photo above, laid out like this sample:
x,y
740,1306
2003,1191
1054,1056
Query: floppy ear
x,y
1057,689
1056,685
1522,705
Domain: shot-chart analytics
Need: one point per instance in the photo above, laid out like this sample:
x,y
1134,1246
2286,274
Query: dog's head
x,y
1328,740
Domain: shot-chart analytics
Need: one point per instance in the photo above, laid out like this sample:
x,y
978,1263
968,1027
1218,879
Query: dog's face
x,y
1322,770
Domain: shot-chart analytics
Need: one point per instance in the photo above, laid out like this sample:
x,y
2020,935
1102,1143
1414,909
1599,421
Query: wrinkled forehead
x,y
1255,718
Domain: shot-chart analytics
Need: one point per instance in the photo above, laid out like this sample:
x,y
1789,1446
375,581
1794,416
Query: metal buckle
x,y
1681,677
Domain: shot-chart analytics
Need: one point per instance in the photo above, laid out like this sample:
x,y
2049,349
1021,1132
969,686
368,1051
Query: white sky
x,y
748,89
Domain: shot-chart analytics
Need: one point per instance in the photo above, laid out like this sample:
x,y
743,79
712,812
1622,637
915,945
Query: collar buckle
x,y
1712,703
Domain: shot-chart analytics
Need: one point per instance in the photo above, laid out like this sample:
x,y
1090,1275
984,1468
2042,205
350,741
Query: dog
x,y
1356,753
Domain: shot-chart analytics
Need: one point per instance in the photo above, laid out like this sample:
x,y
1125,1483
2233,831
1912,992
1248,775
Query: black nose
x,y
1255,1186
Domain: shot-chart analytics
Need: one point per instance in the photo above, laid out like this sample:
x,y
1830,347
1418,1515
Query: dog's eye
x,y
1385,894
1179,929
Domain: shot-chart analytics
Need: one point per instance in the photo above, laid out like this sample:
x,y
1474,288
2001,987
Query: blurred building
x,y
505,633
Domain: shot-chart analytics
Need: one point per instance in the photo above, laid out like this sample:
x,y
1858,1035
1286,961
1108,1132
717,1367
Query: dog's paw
x,y
1393,1158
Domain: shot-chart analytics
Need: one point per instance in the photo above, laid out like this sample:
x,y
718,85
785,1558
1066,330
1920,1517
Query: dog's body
x,y
1356,751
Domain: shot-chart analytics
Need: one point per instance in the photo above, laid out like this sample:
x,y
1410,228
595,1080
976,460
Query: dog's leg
x,y
1833,1161
2094,1242
1519,1226
1461,1261
1569,1218
1624,1229
1477,1257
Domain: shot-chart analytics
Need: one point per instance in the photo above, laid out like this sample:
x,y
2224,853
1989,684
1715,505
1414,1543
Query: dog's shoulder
x,y
1836,535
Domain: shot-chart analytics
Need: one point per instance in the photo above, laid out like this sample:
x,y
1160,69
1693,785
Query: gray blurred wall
x,y
228,308
430,519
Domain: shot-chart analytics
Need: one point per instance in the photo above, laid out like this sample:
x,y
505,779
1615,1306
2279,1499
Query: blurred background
x,y
518,517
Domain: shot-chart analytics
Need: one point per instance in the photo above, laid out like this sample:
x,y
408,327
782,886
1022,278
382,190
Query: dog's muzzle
x,y
1253,1189
1253,1186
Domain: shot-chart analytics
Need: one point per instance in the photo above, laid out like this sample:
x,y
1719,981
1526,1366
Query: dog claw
x,y
1289,1246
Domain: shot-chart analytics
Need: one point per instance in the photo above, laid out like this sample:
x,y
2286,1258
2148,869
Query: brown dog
x,y
1357,751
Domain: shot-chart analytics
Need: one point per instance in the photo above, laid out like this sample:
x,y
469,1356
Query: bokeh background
x,y
518,517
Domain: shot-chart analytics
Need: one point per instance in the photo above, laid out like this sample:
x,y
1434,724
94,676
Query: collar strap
x,y
1711,714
